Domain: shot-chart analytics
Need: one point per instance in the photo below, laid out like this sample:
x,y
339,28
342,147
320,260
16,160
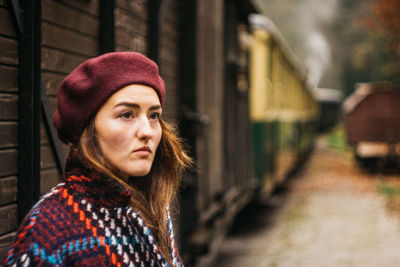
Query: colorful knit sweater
x,y
86,221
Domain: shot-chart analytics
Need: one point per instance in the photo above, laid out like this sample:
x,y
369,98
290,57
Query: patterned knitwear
x,y
86,221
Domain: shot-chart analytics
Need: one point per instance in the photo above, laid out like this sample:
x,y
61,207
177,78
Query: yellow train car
x,y
283,111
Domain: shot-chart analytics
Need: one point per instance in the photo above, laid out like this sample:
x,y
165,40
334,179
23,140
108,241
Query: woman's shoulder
x,y
63,227
43,231
49,210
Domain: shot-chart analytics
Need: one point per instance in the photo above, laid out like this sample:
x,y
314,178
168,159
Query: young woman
x,y
123,170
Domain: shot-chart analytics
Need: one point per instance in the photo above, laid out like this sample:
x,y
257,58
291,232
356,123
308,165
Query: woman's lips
x,y
143,151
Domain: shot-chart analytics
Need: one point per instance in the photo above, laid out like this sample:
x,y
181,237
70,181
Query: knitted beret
x,y
88,86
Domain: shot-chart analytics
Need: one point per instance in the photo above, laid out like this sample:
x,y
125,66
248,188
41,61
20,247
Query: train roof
x,y
263,22
364,90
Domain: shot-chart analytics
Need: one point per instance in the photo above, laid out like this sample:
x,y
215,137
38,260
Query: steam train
x,y
240,98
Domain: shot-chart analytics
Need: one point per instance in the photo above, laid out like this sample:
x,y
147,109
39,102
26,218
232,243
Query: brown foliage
x,y
387,13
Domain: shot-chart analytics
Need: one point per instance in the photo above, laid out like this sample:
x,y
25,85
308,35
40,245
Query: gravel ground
x,y
329,214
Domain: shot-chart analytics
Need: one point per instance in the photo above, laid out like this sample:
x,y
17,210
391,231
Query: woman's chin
x,y
139,173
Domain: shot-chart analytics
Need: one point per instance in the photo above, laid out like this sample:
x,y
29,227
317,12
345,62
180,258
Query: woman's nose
x,y
144,128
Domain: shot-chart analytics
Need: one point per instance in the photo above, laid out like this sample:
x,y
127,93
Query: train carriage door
x,y
209,99
236,117
189,121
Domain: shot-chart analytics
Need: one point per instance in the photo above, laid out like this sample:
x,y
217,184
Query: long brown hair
x,y
152,194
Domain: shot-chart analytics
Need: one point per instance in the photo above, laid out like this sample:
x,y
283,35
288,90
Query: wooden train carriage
x,y
196,44
215,120
283,110
372,120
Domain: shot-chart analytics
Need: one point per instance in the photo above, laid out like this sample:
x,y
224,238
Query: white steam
x,y
303,23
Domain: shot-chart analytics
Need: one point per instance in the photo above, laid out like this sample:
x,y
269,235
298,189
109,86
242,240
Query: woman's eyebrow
x,y
127,104
134,105
155,107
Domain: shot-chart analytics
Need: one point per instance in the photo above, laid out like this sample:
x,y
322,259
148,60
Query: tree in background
x,y
373,37
387,23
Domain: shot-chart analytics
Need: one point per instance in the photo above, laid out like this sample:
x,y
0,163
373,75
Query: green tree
x,y
371,35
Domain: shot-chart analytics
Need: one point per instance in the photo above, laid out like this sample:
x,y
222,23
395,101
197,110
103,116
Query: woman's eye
x,y
155,116
126,115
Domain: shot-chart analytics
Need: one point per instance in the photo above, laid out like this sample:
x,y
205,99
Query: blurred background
x,y
341,42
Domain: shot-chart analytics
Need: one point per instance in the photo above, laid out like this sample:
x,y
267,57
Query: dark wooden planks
x,y
126,40
131,26
8,218
66,40
8,159
136,8
54,60
51,82
130,32
168,58
8,107
132,23
8,127
69,36
7,26
49,178
8,51
47,158
8,134
90,7
8,79
69,18
8,190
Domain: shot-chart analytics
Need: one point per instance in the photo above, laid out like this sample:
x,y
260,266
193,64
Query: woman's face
x,y
128,129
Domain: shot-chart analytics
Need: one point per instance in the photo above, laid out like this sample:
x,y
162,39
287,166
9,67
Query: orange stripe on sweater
x,y
94,231
87,223
81,215
75,207
101,238
65,193
75,178
85,178
69,201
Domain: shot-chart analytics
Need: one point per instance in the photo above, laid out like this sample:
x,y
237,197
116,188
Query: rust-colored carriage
x,y
372,117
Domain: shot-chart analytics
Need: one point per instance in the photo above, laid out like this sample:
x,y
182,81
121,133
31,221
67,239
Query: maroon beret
x,y
88,87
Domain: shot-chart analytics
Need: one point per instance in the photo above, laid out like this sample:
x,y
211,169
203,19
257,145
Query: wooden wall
x,y
70,34
8,127
168,59
131,25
